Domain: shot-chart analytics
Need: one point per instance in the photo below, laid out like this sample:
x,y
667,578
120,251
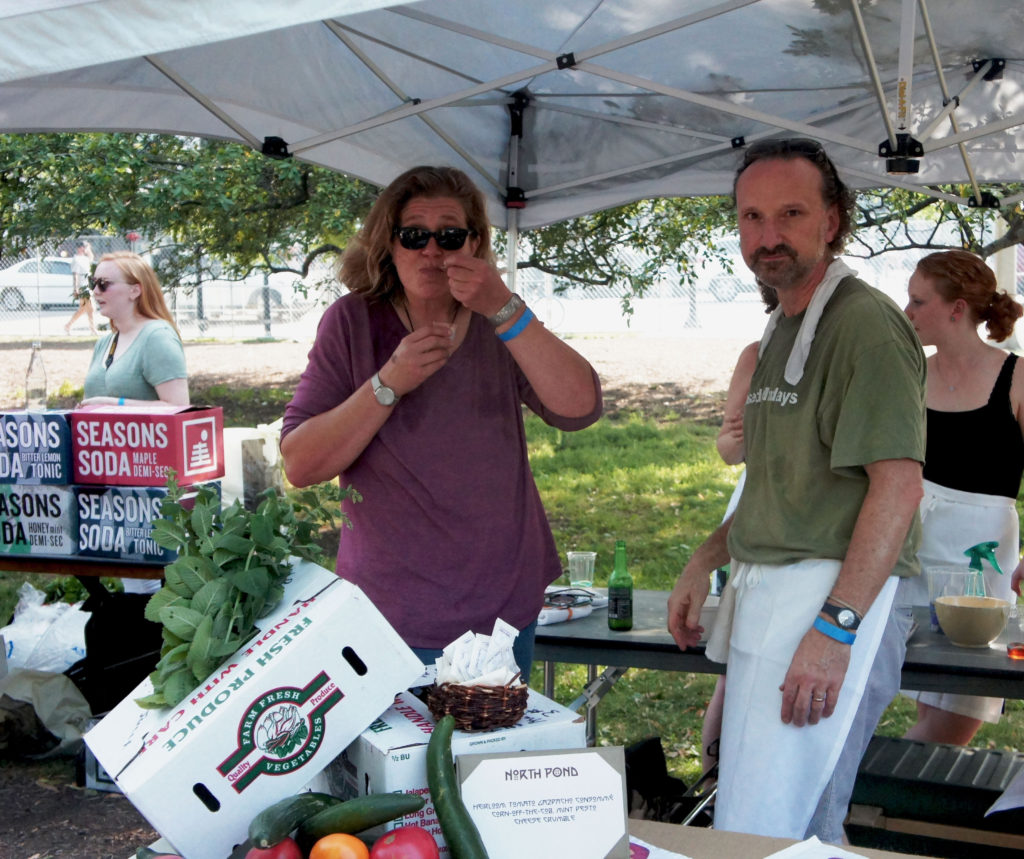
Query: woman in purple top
x,y
413,395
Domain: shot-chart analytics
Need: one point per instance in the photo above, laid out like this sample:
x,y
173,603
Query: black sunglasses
x,y
100,284
447,238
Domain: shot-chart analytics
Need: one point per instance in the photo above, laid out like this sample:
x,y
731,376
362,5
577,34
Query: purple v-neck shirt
x,y
450,533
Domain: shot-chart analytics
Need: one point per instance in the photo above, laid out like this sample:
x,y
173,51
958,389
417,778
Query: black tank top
x,y
979,450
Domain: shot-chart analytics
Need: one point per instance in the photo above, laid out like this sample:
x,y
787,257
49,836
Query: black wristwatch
x,y
845,618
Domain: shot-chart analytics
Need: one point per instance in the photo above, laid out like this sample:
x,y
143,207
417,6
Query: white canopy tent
x,y
555,107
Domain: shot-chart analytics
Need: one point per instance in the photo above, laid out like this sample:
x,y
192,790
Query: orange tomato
x,y
339,845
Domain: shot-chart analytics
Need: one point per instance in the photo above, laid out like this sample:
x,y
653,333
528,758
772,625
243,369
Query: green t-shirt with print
x,y
861,400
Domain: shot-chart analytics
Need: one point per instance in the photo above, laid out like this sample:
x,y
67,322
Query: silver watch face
x,y
385,396
846,618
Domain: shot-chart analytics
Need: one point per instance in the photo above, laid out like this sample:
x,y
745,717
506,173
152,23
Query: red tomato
x,y
406,842
286,849
339,845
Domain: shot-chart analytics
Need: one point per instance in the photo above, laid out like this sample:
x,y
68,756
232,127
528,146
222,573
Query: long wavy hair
x,y
366,266
151,302
963,275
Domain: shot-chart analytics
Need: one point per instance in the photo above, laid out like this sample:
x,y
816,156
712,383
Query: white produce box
x,y
324,665
391,754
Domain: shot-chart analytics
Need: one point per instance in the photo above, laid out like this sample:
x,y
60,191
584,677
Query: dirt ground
x,y
44,814
633,368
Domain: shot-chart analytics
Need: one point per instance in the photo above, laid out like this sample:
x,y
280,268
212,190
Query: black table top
x,y
933,663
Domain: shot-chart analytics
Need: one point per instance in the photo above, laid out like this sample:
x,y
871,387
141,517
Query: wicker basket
x,y
479,708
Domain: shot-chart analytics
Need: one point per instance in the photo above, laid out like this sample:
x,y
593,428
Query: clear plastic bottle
x,y
620,592
35,380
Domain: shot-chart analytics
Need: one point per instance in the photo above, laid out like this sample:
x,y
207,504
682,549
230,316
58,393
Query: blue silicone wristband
x,y
834,632
517,329
120,402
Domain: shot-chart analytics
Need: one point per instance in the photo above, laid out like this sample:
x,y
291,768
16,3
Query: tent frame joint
x,y
988,201
903,158
515,198
993,74
276,148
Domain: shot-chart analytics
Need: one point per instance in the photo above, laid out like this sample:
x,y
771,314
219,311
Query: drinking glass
x,y
581,569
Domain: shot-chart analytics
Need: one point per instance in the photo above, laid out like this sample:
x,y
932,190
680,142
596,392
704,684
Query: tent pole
x,y
937,60
869,56
515,198
512,255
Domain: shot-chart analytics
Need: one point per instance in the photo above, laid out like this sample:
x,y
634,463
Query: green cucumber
x,y
355,815
460,832
276,822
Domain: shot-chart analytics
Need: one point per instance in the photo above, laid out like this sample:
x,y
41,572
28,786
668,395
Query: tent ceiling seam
x,y
580,54
205,102
404,96
404,52
726,107
407,110
894,182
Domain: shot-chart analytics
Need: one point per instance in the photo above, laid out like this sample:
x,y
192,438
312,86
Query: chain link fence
x,y
37,297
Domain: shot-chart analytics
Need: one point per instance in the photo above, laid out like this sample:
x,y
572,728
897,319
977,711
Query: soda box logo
x,y
281,731
198,443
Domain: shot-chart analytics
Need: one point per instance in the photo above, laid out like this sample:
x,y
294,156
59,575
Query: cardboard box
x,y
128,446
391,754
324,665
37,520
117,522
35,448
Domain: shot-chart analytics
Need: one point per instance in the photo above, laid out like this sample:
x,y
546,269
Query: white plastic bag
x,y
44,637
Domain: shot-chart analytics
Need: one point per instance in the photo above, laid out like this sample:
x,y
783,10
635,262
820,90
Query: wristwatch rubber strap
x,y
833,611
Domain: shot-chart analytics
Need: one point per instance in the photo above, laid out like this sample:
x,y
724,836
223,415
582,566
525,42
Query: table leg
x,y
592,705
597,687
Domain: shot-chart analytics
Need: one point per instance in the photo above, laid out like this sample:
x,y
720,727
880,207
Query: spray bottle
x,y
978,553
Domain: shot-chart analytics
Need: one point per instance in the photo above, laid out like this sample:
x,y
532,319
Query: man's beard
x,y
781,274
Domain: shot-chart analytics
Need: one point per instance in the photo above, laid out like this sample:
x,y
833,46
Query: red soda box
x,y
137,446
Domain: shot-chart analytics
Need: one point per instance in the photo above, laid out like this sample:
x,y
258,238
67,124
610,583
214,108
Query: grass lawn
x,y
660,486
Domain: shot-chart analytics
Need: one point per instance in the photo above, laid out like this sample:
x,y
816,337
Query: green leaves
x,y
181,621
230,572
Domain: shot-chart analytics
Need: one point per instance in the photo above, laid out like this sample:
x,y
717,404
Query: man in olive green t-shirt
x,y
834,436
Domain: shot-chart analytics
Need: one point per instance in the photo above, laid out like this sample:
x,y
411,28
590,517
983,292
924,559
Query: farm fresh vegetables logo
x,y
281,731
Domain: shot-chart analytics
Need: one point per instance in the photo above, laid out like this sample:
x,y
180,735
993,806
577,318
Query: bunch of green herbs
x,y
231,570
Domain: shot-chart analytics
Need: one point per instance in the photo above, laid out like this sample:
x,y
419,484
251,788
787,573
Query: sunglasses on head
x,y
100,284
416,238
776,147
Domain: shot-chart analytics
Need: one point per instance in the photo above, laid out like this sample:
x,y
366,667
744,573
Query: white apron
x,y
951,522
717,649
771,775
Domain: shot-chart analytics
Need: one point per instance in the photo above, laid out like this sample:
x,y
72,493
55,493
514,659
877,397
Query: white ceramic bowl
x,y
972,621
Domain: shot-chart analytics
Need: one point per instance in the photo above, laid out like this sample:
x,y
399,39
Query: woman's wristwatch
x,y
507,311
385,395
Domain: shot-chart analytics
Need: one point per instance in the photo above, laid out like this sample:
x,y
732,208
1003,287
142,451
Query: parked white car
x,y
39,282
